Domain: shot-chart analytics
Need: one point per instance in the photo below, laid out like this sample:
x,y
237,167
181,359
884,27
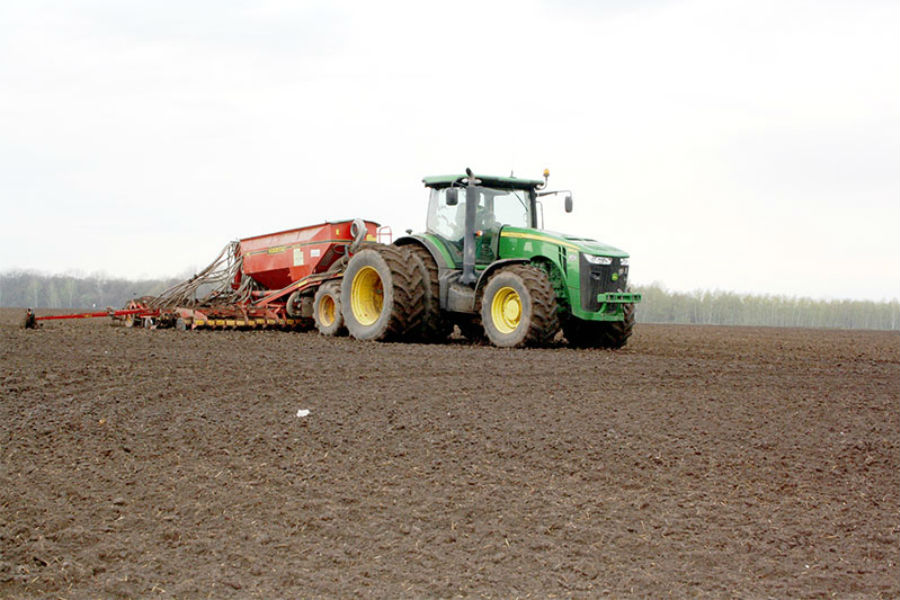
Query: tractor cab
x,y
495,202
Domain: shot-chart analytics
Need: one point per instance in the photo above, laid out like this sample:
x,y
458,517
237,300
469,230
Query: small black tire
x,y
381,293
519,308
600,334
327,310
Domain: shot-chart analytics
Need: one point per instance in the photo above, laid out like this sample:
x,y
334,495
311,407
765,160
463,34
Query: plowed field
x,y
698,461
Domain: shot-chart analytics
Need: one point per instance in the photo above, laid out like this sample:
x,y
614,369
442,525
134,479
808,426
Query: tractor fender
x,y
492,268
432,248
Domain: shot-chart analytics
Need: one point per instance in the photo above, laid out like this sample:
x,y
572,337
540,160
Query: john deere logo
x,y
615,276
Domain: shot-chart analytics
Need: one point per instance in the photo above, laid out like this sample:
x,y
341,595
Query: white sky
x,y
751,146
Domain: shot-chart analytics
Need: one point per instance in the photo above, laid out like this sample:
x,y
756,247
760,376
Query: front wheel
x,y
519,308
600,334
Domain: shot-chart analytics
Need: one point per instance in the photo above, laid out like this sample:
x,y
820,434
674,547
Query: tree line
x,y
728,308
27,289
30,289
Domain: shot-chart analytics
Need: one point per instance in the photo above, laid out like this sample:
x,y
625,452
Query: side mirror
x,y
568,202
452,197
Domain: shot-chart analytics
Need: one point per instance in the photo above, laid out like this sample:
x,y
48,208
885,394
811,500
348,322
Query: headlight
x,y
623,262
598,260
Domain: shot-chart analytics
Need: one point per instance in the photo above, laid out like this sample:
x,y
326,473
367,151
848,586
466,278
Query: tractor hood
x,y
589,246
580,244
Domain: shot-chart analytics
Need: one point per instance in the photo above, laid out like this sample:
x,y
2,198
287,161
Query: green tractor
x,y
484,265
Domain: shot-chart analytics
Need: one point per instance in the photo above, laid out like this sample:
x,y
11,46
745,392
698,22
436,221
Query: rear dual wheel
x,y
434,327
383,294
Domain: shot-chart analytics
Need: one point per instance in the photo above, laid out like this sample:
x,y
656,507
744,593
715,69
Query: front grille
x,y
598,279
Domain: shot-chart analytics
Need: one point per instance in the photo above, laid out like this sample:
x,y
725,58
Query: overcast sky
x,y
750,146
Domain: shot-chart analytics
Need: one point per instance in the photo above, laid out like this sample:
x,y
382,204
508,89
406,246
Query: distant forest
x,y
727,308
30,289
34,290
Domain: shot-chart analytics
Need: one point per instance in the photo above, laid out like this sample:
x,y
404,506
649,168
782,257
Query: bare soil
x,y
698,461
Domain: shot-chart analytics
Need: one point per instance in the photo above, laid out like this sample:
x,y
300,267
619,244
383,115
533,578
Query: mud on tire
x,y
382,294
434,327
327,310
518,308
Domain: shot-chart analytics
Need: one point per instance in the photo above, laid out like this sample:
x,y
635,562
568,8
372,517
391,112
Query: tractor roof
x,y
441,181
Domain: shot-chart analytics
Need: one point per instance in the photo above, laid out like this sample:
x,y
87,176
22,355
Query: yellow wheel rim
x,y
326,310
506,310
366,296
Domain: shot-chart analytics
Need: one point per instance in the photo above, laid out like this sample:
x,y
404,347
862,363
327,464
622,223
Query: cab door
x,y
495,209
487,229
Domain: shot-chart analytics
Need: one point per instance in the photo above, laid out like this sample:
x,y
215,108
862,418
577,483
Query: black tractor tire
x,y
600,334
382,295
327,310
434,328
518,308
